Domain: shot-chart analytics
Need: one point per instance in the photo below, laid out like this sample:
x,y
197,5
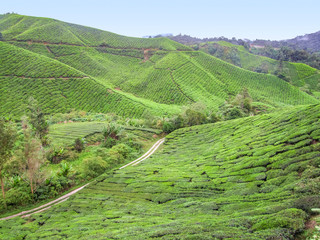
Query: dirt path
x,y
66,196
146,155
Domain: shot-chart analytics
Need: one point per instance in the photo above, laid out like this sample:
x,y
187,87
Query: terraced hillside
x,y
46,57
298,74
57,86
25,29
67,133
251,178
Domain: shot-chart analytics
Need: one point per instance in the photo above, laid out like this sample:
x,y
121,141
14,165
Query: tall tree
x,y
7,140
33,155
36,118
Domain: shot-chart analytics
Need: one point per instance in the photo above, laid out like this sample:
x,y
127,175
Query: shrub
x,y
79,145
233,113
112,130
65,169
168,127
18,196
118,153
109,142
307,203
93,167
289,218
55,154
52,187
195,118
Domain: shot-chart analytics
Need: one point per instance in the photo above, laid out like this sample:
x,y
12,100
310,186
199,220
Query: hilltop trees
x,y
7,140
196,114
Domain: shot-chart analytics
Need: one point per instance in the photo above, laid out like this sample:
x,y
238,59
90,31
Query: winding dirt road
x,y
66,196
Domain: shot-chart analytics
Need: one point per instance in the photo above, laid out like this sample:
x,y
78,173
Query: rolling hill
x,y
298,74
250,178
128,76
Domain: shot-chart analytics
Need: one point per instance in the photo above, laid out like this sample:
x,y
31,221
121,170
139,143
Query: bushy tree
x,y
239,106
78,145
7,140
93,167
194,118
37,121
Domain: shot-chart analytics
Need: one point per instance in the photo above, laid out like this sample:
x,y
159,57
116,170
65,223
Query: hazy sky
x,y
265,19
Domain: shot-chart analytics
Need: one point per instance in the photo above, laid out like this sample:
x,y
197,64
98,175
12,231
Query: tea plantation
x,y
93,70
250,178
297,74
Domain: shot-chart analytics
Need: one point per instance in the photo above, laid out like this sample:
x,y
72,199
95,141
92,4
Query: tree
x,y
195,118
79,145
33,156
37,121
1,36
7,140
239,106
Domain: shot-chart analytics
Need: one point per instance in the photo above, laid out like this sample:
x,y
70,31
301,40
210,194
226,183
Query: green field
x,y
250,178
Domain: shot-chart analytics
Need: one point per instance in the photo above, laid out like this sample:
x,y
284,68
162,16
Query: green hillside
x,y
252,178
178,77
26,28
57,87
128,76
294,73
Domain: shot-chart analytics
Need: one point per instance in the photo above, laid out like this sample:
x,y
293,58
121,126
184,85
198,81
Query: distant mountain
x,y
159,35
308,42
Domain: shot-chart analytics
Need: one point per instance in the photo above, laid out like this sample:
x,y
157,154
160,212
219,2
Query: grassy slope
x,y
26,28
173,77
239,181
56,86
298,73
161,81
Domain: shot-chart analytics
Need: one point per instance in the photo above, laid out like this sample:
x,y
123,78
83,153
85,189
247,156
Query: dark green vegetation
x,y
297,74
92,70
302,49
249,178
309,42
72,154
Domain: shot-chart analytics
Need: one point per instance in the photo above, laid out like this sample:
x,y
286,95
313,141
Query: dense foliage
x,y
33,173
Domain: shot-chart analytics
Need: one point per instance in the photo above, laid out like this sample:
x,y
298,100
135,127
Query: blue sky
x,y
271,19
